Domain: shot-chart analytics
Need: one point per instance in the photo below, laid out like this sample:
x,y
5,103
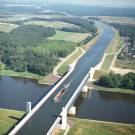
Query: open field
x,y
69,36
122,71
88,127
20,74
114,19
7,27
8,118
125,64
98,88
64,67
54,24
107,62
98,74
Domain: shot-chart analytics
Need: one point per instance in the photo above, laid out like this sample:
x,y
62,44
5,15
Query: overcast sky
x,y
119,3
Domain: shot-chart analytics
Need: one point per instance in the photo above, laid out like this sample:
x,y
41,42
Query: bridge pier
x,y
92,70
64,119
72,110
28,107
85,89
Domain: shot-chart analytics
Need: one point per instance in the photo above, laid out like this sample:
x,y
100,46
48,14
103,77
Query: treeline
x,y
27,49
85,24
25,35
117,81
73,29
86,40
125,30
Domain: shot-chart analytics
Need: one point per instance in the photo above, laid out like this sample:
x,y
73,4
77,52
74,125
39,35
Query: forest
x,y
86,25
27,49
117,81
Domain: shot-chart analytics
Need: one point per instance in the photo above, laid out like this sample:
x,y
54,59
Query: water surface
x,y
106,106
15,92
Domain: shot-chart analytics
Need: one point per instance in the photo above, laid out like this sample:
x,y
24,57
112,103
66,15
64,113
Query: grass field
x,y
121,20
87,127
64,67
7,27
54,24
98,88
69,36
107,62
98,74
126,64
20,74
8,118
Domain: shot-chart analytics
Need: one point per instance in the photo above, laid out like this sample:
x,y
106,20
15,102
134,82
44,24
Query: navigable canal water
x,y
95,105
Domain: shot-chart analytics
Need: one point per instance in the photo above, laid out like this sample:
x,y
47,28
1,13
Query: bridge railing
x,y
69,104
76,93
38,106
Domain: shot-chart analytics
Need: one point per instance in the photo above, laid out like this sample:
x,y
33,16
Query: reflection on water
x,y
15,92
106,106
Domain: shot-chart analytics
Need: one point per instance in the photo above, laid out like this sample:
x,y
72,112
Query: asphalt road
x,y
43,119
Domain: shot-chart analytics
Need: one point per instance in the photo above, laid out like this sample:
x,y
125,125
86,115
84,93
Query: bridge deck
x,y
43,119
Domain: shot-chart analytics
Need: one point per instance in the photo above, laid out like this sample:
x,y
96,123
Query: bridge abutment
x,y
64,119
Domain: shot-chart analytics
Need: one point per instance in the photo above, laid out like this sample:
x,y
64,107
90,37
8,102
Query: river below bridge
x,y
106,106
96,105
15,92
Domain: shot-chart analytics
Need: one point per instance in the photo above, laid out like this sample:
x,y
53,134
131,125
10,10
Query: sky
x,y
112,3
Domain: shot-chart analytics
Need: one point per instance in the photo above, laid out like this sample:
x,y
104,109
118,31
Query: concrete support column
x,y
72,111
28,107
64,118
85,89
91,74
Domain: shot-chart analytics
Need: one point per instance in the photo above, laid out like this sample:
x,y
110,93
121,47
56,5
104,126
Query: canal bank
x,y
92,127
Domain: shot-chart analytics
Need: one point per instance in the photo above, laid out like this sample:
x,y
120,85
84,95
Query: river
x,y
106,106
95,105
15,92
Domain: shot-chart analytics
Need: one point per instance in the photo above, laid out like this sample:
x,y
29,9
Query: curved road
x,y
43,119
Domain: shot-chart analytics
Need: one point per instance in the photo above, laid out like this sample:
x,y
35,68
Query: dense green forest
x,y
85,24
117,81
27,49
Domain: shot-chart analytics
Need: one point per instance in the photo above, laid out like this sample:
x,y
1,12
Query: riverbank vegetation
x,y
8,118
117,81
64,67
89,127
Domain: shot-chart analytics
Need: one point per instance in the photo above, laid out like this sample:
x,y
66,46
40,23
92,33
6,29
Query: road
x,y
43,119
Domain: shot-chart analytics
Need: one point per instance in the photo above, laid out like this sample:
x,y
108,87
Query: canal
x,y
106,106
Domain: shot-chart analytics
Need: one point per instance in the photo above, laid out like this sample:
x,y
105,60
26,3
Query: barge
x,y
58,97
